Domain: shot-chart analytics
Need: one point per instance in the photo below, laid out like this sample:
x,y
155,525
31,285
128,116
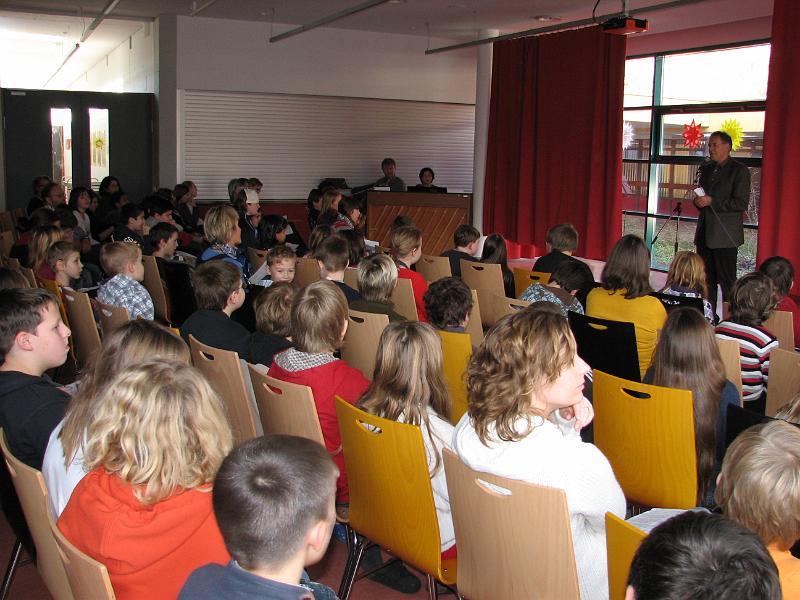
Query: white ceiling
x,y
36,35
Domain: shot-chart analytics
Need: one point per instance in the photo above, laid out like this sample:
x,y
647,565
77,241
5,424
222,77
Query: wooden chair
x,y
6,221
403,300
784,379
111,317
13,263
55,289
155,287
486,279
224,371
524,278
87,577
402,518
81,322
6,242
514,545
622,541
29,275
647,434
256,257
475,325
729,350
456,351
506,306
306,271
351,277
608,346
781,324
433,267
33,497
361,340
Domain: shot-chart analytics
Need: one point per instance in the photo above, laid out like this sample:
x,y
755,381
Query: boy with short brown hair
x,y
122,262
65,262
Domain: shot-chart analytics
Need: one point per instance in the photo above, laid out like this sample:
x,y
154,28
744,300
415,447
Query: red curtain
x,y
779,219
554,151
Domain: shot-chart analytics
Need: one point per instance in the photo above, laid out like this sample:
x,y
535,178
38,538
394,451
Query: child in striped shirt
x,y
752,300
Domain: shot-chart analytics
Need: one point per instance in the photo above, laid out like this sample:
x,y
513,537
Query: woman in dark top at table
x,y
426,177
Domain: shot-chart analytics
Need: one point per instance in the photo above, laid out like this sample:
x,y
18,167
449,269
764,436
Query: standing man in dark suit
x,y
720,230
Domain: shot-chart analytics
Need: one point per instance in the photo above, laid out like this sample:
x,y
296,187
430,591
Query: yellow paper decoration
x,y
734,129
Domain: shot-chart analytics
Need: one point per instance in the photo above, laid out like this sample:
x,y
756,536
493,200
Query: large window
x,y
673,102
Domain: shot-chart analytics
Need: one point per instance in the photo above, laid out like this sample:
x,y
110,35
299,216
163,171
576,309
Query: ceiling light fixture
x,y
545,18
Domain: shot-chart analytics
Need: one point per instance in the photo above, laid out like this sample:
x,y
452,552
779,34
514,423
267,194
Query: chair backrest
x,y
224,371
33,498
361,340
737,419
351,278
13,263
6,221
456,351
306,271
523,278
29,275
475,325
55,289
784,379
506,306
87,577
781,324
155,287
433,267
622,541
608,346
82,324
6,242
486,279
671,301
729,351
647,434
256,257
284,407
379,454
403,300
111,317
510,545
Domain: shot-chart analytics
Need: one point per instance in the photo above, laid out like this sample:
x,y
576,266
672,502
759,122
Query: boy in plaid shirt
x,y
122,261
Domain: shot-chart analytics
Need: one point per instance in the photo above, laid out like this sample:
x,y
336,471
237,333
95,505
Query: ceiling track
x,y
328,19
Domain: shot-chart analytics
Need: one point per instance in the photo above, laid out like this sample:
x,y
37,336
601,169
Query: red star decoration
x,y
692,135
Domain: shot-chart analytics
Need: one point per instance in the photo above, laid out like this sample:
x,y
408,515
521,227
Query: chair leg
x,y
11,569
432,594
356,548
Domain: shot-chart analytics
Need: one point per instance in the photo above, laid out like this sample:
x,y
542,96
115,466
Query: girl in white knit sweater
x,y
526,409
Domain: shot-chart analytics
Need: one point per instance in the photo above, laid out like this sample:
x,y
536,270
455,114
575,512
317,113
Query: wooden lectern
x,y
437,215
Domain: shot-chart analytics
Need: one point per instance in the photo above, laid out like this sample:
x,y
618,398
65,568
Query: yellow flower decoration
x,y
99,141
734,129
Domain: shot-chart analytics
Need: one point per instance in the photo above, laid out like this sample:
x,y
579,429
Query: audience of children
x,y
625,296
562,241
377,278
465,242
273,334
332,256
495,252
569,283
122,262
406,244
448,303
687,278
156,439
752,300
781,272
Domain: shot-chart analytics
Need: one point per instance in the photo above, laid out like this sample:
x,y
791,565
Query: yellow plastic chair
x,y
781,324
155,287
475,325
485,279
391,500
256,257
403,300
306,271
81,322
729,351
457,350
111,317
524,278
35,503
433,267
224,372
622,541
647,434
506,306
784,379
87,577
361,340
514,545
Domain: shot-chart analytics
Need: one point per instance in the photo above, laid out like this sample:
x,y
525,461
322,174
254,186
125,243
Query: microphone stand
x,y
677,210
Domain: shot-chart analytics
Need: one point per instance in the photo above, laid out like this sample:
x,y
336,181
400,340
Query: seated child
x,y
570,278
175,272
319,322
562,241
132,227
157,437
122,262
406,243
273,499
318,234
164,239
377,277
273,334
218,291
465,240
12,279
160,212
41,240
781,272
687,278
496,252
752,300
66,264
759,488
33,339
356,245
448,303
281,263
274,228
333,257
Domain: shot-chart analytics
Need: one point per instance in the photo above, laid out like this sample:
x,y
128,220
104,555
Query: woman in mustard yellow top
x,y
624,296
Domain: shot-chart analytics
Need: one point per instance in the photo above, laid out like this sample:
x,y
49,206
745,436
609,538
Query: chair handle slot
x,y
369,427
491,488
358,320
637,394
